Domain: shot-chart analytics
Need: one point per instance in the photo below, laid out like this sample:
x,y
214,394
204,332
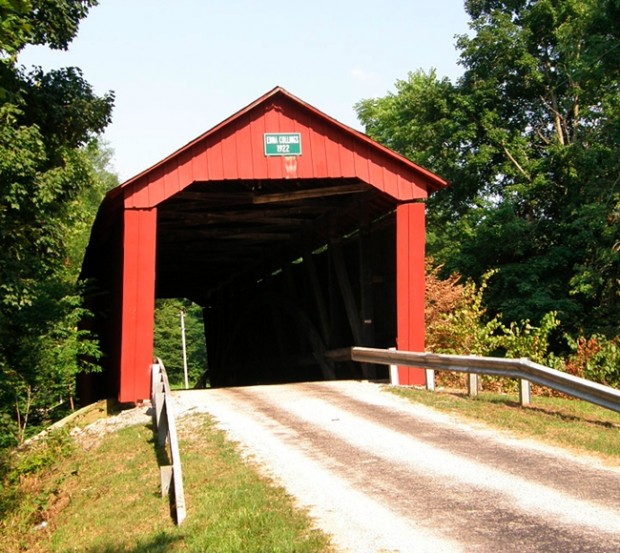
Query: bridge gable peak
x,y
279,137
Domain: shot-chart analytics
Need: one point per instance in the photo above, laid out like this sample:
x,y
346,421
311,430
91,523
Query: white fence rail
x,y
523,369
166,430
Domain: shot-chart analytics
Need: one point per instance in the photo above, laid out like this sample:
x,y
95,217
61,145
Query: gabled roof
x,y
233,150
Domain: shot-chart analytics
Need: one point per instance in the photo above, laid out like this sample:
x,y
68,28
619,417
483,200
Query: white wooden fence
x,y
166,430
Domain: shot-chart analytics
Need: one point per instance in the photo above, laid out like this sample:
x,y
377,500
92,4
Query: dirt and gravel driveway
x,y
382,474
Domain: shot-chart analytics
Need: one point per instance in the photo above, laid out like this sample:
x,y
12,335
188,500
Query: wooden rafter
x,y
310,193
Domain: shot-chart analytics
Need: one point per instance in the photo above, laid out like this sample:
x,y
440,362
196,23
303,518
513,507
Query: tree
x,y
48,122
529,137
167,339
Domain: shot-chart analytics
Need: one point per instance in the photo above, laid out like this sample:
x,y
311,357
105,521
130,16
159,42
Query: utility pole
x,y
184,348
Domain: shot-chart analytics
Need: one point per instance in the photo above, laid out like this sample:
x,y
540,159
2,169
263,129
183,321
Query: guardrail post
x,y
394,372
165,477
472,385
430,380
524,392
162,419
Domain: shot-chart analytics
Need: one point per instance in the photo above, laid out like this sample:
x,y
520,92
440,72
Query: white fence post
x,y
430,380
472,385
524,392
394,372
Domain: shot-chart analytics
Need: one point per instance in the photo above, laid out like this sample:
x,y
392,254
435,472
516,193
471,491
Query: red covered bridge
x,y
295,233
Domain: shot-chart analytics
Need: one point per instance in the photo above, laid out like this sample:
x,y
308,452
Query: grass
x,y
108,500
572,424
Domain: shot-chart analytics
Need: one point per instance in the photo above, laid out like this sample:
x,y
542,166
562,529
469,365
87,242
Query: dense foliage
x,y
52,177
168,341
529,138
457,323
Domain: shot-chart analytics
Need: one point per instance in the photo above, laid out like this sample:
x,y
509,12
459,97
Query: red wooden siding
x,y
234,150
138,303
410,286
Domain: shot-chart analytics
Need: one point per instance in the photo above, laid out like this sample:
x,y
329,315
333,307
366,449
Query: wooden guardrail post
x,y
430,380
524,392
472,385
394,372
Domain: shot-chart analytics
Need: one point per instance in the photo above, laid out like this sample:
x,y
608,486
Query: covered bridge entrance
x,y
296,234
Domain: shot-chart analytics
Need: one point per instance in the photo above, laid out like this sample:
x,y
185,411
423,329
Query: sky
x,y
180,67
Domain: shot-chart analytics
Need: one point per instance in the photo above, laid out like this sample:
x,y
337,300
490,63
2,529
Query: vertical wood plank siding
x,y
410,242
234,150
138,303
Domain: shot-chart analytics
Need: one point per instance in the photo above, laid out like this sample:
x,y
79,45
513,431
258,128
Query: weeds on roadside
x,y
30,486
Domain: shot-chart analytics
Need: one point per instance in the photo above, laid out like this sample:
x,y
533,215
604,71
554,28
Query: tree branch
x,y
554,107
516,164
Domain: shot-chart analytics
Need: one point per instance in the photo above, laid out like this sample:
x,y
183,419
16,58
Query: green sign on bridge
x,y
282,144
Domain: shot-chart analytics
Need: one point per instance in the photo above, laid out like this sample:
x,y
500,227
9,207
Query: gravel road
x,y
383,475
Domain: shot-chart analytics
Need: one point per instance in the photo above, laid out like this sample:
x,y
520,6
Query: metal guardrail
x,y
165,425
523,369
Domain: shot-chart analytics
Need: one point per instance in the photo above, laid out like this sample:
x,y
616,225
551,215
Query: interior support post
x,y
348,298
207,330
290,287
410,286
317,294
138,308
347,292
364,248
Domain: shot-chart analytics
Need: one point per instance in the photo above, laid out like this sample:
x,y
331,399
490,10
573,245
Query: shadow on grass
x,y
161,451
573,418
463,395
541,410
158,544
164,458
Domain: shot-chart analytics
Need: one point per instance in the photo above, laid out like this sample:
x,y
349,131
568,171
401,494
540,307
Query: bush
x,y
455,316
457,323
596,358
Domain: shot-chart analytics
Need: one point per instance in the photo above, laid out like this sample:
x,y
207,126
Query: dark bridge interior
x,y
285,271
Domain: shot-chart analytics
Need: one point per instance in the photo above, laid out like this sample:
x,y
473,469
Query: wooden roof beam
x,y
310,193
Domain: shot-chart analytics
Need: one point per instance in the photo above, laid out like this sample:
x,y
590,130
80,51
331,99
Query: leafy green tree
x,y
529,138
168,340
48,181
49,22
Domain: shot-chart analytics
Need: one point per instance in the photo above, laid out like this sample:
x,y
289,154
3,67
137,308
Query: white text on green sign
x,y
283,144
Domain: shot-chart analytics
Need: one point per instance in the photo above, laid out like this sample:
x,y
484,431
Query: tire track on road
x,y
512,456
480,518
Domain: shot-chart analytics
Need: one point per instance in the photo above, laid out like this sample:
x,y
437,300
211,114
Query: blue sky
x,y
180,67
